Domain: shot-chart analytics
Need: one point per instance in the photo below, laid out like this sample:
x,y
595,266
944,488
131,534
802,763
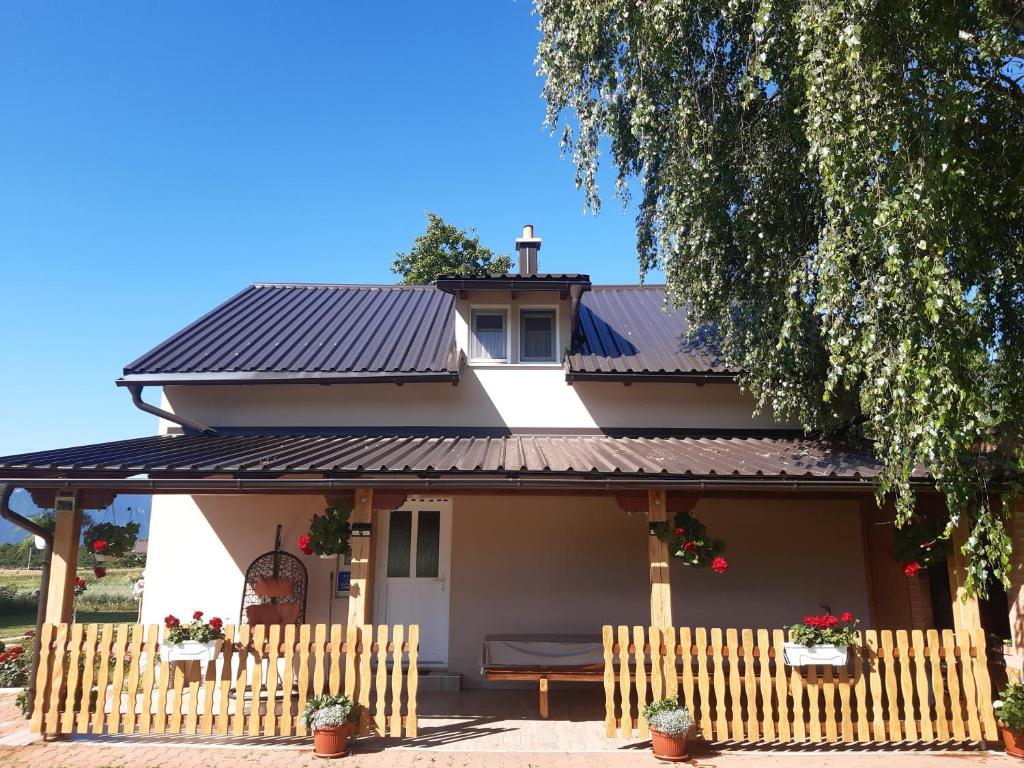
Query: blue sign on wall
x,y
344,582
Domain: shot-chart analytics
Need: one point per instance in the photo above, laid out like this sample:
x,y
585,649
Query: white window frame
x,y
490,309
556,354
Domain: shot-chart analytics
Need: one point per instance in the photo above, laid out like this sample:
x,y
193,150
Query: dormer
x,y
525,319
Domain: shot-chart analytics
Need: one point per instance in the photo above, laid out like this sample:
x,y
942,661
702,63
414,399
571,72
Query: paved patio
x,y
453,735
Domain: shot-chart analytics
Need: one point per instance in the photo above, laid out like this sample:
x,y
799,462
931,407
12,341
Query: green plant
x,y
15,666
197,629
1010,707
667,716
445,250
825,630
110,539
329,533
21,702
329,711
920,543
688,540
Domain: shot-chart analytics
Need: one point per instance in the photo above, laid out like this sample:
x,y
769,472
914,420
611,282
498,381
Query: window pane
x,y
399,542
537,329
428,544
488,342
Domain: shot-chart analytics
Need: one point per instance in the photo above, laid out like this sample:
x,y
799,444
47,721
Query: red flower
x,y
197,615
304,544
680,532
79,582
846,616
216,623
100,546
911,569
171,621
689,546
16,650
719,564
99,571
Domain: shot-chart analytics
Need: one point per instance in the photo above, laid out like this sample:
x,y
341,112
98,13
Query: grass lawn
x,y
105,600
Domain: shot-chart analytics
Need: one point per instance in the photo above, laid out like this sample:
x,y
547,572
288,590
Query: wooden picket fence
x,y
918,686
105,678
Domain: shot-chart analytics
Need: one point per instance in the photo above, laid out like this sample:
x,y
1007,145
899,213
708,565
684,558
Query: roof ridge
x,y
395,286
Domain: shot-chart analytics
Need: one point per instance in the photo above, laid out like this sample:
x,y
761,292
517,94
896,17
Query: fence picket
x,y
641,680
334,679
891,686
259,634
927,732
413,683
657,664
380,717
626,723
288,684
67,724
88,675
860,687
963,642
304,635
238,722
132,680
607,642
750,685
117,687
700,638
813,713
46,654
734,693
719,691
768,710
396,680
227,655
685,666
366,678
273,674
845,691
984,684
906,685
938,688
784,702
828,693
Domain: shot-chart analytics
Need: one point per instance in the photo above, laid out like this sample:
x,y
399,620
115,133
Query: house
x,y
507,442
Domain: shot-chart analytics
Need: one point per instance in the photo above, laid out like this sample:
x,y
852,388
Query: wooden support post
x,y
360,601
657,556
1015,594
64,558
965,607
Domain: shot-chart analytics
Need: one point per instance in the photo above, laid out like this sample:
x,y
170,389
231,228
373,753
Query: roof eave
x,y
290,377
629,377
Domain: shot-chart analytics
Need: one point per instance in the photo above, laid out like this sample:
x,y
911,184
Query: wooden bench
x,y
587,673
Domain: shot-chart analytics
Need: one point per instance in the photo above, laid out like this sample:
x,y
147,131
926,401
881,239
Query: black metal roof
x,y
281,332
369,453
562,283
628,333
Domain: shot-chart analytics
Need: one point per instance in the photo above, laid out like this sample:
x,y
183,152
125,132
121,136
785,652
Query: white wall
x,y
529,564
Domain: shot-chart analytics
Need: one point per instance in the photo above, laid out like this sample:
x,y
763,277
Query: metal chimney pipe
x,y
527,246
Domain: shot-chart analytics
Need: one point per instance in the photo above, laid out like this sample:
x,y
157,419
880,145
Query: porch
x,y
533,554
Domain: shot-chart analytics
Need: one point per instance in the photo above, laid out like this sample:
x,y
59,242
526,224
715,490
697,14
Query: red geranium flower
x,y
846,616
911,569
99,571
99,546
171,621
304,544
16,650
719,564
216,623
197,615
680,531
689,546
79,582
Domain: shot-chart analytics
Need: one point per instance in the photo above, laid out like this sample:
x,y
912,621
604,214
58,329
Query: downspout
x,y
575,294
34,529
188,424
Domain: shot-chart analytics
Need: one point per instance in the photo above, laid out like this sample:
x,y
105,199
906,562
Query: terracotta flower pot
x,y
1013,741
665,747
332,742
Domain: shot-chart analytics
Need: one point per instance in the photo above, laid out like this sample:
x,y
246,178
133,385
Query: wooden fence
x,y
918,686
111,679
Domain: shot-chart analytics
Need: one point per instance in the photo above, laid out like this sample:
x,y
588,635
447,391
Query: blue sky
x,y
156,157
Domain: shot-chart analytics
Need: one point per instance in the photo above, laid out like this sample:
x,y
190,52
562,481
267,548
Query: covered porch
x,y
556,539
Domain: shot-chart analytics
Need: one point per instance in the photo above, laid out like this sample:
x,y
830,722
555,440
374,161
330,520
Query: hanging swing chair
x,y
275,588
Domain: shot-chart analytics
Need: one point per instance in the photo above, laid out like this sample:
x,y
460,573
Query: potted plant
x,y
824,639
107,540
688,540
330,719
329,533
195,641
670,724
1010,713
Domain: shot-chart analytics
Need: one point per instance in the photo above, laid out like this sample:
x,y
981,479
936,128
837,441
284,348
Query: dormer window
x,y
489,342
537,341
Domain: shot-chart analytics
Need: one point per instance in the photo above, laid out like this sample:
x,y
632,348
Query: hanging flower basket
x,y
329,533
688,540
920,543
107,540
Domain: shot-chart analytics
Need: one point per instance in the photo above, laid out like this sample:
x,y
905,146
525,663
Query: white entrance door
x,y
412,570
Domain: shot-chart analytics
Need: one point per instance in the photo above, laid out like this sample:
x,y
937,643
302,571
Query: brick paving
x,y
20,749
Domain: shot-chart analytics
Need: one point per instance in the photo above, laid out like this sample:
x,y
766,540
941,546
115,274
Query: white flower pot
x,y
798,655
189,650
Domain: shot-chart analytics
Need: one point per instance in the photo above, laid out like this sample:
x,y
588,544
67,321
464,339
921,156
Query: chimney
x,y
527,246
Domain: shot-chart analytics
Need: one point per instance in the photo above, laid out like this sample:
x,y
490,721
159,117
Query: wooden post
x,y
657,557
966,615
360,601
1015,594
64,558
